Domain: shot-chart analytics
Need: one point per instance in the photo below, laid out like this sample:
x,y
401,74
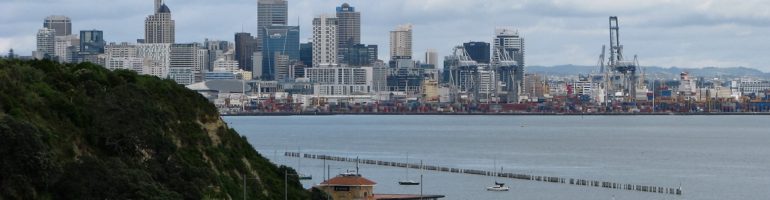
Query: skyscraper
x,y
401,42
46,39
324,41
62,24
159,28
478,51
271,12
361,55
512,44
245,46
306,53
348,28
92,42
184,62
279,41
431,57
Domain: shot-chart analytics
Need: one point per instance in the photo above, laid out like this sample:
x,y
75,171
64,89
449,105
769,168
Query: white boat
x,y
499,187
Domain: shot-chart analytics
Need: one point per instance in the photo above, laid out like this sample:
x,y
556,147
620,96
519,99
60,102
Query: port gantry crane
x,y
620,75
509,72
463,73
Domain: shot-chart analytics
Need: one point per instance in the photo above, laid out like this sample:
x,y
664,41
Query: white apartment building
x,y
334,81
324,41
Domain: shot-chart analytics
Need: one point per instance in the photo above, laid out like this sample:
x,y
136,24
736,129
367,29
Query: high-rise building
x,y
348,28
63,45
216,50
324,41
361,55
271,12
62,24
278,40
512,44
46,41
401,42
306,53
157,58
245,46
184,62
159,27
92,42
478,51
431,57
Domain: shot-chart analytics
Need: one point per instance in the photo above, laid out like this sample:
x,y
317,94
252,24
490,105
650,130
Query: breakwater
x,y
525,177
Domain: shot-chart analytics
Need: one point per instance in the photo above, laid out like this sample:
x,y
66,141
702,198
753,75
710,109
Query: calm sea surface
x,y
711,157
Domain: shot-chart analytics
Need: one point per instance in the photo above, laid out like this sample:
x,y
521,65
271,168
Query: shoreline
x,y
493,114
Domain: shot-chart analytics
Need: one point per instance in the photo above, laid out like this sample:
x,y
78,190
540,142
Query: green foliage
x,y
83,132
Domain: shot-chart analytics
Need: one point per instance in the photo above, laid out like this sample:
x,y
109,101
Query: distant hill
x,y
671,72
83,132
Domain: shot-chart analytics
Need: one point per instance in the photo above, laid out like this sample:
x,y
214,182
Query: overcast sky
x,y
684,33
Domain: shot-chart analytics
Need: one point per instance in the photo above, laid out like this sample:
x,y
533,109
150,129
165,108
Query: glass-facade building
x,y
278,40
92,42
478,51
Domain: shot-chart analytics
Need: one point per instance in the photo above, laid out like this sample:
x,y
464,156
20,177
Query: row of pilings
x,y
548,179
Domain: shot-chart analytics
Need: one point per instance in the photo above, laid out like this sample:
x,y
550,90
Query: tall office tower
x,y
159,28
245,46
478,51
46,42
324,41
61,46
359,55
348,29
513,45
92,42
306,53
401,42
122,56
431,57
271,12
184,62
216,50
158,4
62,24
278,40
157,58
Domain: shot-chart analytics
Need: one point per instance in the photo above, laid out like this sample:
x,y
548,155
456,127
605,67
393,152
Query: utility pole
x,y
285,184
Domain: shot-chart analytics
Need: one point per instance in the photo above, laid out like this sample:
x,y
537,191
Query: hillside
x,y
83,132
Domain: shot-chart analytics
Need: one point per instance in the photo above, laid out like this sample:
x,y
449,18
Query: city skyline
x,y
684,34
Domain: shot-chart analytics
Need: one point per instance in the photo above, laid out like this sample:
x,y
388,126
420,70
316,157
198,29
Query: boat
x,y
498,187
406,180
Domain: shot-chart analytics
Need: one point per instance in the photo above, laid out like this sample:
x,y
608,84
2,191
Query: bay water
x,y
710,157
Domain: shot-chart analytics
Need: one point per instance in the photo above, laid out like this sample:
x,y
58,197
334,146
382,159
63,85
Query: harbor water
x,y
709,157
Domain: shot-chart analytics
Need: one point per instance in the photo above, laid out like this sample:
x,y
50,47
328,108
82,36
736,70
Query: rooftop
x,y
348,180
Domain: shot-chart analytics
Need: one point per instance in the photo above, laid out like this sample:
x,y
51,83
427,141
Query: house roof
x,y
349,180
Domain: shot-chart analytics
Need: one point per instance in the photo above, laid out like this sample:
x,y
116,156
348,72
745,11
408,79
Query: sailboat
x,y
498,187
406,180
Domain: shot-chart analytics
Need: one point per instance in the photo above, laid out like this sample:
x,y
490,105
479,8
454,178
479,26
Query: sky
x,y
682,33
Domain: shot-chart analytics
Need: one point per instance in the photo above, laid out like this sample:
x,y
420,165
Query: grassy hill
x,y
84,132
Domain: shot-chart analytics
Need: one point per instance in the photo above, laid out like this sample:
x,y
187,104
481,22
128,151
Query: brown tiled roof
x,y
349,181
